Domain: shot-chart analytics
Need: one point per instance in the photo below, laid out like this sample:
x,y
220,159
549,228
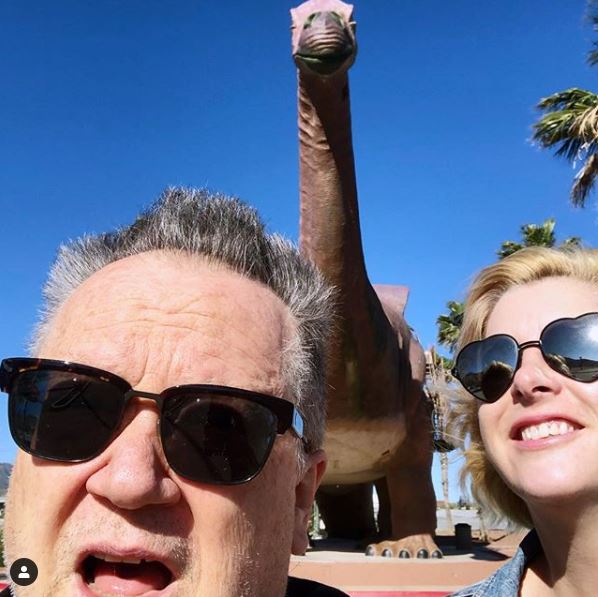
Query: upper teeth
x,y
117,559
546,429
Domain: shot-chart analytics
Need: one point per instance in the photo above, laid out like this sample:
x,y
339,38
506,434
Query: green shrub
x,y
1,551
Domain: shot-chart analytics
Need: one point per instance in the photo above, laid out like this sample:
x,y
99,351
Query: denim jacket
x,y
506,581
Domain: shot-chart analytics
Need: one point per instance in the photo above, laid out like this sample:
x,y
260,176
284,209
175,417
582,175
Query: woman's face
x,y
519,429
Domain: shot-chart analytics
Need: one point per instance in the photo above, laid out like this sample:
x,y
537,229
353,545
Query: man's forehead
x,y
177,298
172,282
161,269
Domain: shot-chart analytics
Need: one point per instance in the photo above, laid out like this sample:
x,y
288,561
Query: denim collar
x,y
506,581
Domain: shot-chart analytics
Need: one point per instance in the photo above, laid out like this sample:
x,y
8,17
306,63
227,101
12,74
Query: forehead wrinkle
x,y
145,317
219,320
238,325
233,359
195,308
127,332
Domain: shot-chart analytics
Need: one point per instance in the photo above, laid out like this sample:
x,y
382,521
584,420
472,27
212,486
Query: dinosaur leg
x,y
412,498
347,510
384,510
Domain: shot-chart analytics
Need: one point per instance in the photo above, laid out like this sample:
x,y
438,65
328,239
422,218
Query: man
x,y
170,425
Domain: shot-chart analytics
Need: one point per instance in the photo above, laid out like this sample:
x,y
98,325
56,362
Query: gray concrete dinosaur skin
x,y
379,426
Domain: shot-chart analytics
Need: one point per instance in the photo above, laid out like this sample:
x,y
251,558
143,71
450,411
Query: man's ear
x,y
305,492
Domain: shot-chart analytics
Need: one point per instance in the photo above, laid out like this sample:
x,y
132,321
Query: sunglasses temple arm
x,y
297,424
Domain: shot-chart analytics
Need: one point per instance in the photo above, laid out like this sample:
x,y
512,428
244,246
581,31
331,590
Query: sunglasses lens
x,y
570,347
61,415
217,439
486,368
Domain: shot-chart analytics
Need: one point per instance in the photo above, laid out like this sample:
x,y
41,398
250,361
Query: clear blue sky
x,y
103,104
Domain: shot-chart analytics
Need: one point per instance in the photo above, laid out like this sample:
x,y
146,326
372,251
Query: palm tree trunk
x,y
445,487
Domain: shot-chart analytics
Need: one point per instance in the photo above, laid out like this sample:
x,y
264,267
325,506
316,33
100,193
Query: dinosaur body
x,y
379,426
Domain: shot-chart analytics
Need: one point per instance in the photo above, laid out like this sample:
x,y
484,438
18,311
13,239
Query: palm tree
x,y
570,126
437,378
537,235
449,325
592,14
532,235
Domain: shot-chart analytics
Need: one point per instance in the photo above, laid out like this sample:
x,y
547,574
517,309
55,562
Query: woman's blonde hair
x,y
523,267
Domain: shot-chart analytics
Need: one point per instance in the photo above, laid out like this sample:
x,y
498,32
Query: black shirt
x,y
299,587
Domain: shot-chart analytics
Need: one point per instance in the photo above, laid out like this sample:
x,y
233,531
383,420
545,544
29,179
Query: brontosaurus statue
x,y
379,424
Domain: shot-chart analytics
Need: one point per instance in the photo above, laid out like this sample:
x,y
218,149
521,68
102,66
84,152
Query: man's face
x,y
161,320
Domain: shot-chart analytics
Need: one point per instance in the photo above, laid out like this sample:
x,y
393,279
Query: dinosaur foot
x,y
414,546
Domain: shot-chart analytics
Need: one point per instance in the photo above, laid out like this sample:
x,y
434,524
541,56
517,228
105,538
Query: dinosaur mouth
x,y
325,44
323,64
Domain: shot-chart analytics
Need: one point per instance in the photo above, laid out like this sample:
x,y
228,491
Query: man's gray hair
x,y
227,231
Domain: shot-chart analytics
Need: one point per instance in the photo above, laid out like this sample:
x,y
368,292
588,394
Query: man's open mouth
x,y
107,574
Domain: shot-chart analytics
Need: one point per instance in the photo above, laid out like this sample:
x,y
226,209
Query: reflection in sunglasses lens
x,y
62,415
216,438
486,367
496,380
570,347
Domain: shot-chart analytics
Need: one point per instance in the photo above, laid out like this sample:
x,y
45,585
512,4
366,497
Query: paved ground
x,y
343,564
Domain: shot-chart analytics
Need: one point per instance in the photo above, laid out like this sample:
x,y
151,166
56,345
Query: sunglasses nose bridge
x,y
521,347
535,372
157,398
530,343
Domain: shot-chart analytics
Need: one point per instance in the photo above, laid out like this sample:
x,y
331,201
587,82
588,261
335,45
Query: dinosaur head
x,y
323,37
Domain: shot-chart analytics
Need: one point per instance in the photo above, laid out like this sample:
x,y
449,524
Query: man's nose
x,y
134,473
534,378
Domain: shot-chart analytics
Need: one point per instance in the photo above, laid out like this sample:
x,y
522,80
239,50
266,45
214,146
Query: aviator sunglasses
x,y
210,434
569,345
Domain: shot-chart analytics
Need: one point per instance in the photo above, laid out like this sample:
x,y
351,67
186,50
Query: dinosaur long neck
x,y
329,225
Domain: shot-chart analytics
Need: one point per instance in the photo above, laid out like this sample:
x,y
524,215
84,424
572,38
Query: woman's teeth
x,y
546,429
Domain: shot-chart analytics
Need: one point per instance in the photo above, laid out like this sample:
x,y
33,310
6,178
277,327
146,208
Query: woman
x,y
529,361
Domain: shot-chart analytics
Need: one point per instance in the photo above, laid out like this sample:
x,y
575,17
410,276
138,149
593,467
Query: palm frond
x,y
542,235
567,100
592,17
570,123
538,235
587,124
584,181
449,326
592,58
508,248
573,242
554,130
592,13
